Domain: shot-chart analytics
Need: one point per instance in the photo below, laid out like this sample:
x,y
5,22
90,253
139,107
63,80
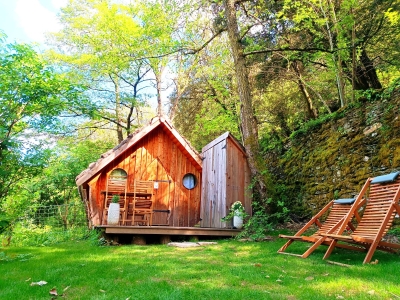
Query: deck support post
x,y
165,239
139,240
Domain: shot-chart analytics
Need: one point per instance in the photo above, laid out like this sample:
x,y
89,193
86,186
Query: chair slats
x,y
115,186
377,219
333,224
140,211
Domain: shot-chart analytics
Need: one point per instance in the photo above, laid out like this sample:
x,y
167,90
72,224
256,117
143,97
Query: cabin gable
x,y
158,158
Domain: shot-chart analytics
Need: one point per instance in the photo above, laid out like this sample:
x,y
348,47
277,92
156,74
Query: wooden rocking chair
x,y
337,211
381,208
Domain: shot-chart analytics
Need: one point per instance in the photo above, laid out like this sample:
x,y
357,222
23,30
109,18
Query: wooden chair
x,y
337,211
115,187
140,211
382,206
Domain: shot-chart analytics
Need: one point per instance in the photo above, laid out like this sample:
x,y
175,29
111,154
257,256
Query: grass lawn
x,y
228,270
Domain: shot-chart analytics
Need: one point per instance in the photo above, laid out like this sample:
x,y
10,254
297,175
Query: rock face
x,y
334,158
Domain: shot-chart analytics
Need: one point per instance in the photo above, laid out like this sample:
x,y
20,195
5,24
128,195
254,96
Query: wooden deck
x,y
168,230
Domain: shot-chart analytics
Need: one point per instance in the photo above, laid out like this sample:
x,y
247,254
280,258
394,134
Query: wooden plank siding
x,y
225,179
159,154
155,157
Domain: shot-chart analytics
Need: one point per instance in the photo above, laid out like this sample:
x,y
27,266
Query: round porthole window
x,y
189,181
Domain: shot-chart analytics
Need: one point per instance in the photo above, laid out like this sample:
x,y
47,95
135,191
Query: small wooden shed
x,y
156,153
226,178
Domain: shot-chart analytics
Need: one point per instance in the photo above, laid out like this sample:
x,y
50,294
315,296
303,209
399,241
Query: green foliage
x,y
267,213
385,94
53,185
119,51
18,257
265,217
5,223
395,231
115,199
209,122
315,124
237,209
32,97
38,235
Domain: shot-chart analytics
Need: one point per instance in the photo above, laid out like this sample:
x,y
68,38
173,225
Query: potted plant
x,y
237,213
113,211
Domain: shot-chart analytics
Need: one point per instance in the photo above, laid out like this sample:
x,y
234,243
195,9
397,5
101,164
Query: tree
x,y
118,51
248,121
32,98
54,185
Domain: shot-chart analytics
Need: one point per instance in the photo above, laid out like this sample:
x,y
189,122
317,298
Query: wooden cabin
x,y
158,154
157,176
226,178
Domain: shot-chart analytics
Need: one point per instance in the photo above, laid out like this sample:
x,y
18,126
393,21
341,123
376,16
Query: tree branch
x,y
287,49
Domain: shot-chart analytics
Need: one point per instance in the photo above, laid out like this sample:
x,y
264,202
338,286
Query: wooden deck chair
x,y
115,187
140,211
381,208
337,211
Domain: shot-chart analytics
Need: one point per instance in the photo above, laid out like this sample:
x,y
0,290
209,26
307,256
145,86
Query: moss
x,y
332,156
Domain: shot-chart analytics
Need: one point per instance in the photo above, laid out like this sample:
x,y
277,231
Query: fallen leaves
x,y
309,278
374,262
53,292
39,283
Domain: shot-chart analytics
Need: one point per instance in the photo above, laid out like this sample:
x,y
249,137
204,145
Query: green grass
x,y
229,270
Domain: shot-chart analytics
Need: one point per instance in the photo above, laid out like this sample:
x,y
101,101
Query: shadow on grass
x,y
228,270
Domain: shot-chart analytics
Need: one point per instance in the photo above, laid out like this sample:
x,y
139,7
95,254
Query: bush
x,y
263,220
37,235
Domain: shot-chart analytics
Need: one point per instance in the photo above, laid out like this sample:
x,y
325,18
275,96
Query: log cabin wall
x,y
156,157
226,178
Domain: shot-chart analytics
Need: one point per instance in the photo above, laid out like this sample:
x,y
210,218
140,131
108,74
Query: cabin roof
x,y
227,135
132,139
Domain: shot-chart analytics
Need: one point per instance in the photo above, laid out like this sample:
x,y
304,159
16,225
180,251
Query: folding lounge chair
x,y
380,210
337,212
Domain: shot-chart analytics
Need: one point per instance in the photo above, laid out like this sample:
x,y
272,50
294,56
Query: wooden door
x,y
213,197
162,207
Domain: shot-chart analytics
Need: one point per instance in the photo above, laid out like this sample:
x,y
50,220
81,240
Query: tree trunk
x,y
311,110
158,75
337,61
247,119
117,108
366,76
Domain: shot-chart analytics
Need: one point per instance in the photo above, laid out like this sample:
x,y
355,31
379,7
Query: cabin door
x,y
156,172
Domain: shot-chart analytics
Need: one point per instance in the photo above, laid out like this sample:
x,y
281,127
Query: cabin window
x,y
118,174
189,181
